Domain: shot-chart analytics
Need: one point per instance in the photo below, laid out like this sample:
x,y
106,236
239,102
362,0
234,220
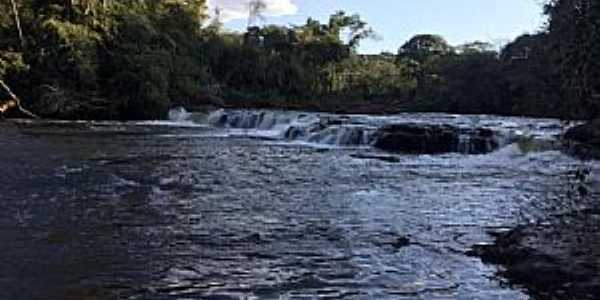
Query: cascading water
x,y
293,126
441,133
464,143
179,114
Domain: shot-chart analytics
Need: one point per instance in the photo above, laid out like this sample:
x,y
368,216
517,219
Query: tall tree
x,y
573,29
256,9
420,47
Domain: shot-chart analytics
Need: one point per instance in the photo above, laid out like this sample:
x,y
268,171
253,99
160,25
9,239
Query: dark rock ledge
x,y
552,261
435,139
583,141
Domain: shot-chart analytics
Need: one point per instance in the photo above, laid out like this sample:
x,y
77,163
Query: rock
x,y
417,139
218,118
254,238
523,265
293,133
401,242
539,257
482,141
385,158
583,141
586,133
434,139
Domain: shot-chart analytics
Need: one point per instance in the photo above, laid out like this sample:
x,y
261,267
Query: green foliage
x,y
423,47
109,59
11,62
533,76
574,35
371,76
472,82
135,59
68,49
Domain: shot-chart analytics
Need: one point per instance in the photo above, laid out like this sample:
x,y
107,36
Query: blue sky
x,y
459,21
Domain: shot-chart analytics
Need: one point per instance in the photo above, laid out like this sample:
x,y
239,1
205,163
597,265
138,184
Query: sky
x,y
396,21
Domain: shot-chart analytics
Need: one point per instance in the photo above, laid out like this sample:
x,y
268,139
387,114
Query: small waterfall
x,y
395,134
217,118
259,120
464,143
179,114
291,126
352,135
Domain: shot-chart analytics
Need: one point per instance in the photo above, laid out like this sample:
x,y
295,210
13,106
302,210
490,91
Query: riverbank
x,y
558,255
553,261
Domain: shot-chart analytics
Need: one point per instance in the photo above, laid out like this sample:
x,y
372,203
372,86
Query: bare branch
x,y
17,101
18,23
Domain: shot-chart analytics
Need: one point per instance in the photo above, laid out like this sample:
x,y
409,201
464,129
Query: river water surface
x,y
203,208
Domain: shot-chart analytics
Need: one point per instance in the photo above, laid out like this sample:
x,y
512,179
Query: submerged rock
x,y
384,158
401,242
434,139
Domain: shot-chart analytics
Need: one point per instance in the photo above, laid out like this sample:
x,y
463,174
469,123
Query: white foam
x,y
179,114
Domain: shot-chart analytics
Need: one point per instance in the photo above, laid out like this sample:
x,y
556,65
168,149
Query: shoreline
x,y
551,262
558,255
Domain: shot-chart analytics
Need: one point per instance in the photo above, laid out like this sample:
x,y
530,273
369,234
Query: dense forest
x,y
133,59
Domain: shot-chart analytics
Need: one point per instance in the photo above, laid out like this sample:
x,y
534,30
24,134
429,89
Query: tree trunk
x,y
15,102
18,23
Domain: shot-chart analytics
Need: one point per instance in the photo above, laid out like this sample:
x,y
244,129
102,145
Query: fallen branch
x,y
14,102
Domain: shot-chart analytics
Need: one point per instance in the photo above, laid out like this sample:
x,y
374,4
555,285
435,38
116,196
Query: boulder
x,y
417,138
583,141
480,141
551,260
434,139
588,133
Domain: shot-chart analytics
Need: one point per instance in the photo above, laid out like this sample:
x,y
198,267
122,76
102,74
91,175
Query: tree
x,y
256,9
534,76
423,46
477,46
358,29
573,31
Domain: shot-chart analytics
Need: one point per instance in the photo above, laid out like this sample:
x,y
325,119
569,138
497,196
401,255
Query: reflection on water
x,y
155,211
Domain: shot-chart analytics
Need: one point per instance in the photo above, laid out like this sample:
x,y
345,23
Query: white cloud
x,y
238,9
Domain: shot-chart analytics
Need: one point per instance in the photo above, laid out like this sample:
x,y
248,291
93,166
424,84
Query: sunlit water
x,y
188,210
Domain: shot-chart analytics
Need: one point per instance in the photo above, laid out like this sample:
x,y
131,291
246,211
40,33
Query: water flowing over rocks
x,y
179,114
434,139
404,137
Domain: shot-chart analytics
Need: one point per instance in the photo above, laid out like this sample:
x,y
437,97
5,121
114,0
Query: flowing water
x,y
264,205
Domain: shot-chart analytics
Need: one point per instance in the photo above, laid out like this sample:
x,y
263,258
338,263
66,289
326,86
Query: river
x,y
238,207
